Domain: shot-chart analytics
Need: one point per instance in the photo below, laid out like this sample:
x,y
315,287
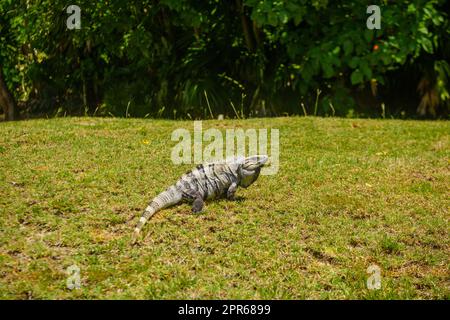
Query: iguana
x,y
208,181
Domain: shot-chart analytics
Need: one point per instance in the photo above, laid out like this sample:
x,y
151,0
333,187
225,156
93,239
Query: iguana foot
x,y
197,206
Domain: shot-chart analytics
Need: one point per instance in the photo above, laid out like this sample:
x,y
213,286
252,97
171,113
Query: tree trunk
x,y
7,102
246,26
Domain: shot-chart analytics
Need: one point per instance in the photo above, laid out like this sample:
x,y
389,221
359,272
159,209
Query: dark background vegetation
x,y
197,59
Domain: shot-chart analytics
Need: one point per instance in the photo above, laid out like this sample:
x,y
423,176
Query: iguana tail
x,y
165,199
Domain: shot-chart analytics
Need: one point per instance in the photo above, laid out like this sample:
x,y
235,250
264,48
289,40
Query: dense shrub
x,y
185,58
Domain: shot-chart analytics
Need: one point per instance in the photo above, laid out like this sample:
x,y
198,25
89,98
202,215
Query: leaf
x,y
423,29
327,69
427,45
336,50
366,69
348,47
297,19
356,77
354,62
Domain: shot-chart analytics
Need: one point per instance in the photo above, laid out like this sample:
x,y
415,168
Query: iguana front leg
x,y
232,191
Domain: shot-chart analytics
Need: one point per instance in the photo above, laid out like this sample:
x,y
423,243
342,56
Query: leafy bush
x,y
182,58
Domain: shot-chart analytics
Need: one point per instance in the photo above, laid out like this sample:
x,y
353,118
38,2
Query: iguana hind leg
x,y
197,205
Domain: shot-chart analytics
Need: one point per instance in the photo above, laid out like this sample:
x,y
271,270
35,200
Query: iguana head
x,y
250,168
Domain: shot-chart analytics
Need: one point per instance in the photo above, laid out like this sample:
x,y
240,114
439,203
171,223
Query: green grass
x,y
349,194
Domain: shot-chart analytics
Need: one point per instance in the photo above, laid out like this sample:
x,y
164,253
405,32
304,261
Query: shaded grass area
x,y
349,194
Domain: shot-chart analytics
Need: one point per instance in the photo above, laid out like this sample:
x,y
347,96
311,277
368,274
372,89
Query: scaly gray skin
x,y
209,181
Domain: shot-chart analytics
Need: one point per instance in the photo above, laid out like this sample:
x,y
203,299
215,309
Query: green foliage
x,y
163,56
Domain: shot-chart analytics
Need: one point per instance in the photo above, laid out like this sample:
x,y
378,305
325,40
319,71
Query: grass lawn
x,y
349,194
